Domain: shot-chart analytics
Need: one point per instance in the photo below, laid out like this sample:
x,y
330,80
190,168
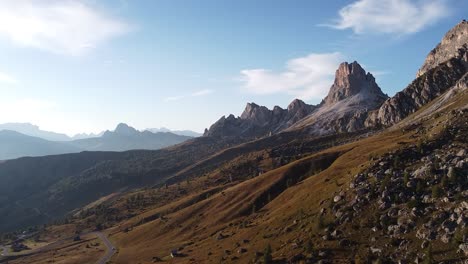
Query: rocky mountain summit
x,y
258,120
351,79
443,69
123,129
353,94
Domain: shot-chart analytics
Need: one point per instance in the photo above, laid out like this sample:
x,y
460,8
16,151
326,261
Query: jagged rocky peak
x,y
351,79
125,129
453,45
297,105
258,120
254,113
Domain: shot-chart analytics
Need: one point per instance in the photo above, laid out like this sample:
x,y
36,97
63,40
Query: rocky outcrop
x,y
453,45
442,70
353,94
420,92
351,79
258,121
427,198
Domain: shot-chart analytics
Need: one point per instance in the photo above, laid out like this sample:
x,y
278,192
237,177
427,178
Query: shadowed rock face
x,y
258,120
443,68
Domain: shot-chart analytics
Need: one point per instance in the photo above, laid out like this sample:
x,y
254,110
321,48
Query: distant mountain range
x,y
188,133
34,131
15,145
125,137
22,139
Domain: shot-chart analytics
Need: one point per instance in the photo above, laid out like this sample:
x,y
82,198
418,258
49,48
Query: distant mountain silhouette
x,y
15,145
125,137
34,131
188,133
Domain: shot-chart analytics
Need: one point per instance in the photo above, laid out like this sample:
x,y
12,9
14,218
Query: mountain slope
x,y
283,207
14,145
442,69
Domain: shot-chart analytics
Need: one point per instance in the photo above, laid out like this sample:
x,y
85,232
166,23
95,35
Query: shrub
x,y
436,191
413,203
428,258
309,247
405,178
419,187
267,258
385,182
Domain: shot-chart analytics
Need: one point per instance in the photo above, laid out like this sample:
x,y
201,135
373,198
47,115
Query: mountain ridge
x,y
351,97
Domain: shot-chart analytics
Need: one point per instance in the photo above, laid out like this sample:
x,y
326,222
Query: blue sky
x,y
84,66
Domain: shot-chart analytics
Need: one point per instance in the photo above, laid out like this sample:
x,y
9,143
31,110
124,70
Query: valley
x,y
361,177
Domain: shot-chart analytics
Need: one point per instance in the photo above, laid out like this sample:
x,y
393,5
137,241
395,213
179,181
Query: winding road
x,y
110,248
110,251
4,251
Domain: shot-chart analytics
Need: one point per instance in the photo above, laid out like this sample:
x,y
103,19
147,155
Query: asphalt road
x,y
4,251
110,251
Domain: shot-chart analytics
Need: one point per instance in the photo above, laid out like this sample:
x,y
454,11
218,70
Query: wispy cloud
x,y
202,92
307,77
59,26
6,78
194,94
399,17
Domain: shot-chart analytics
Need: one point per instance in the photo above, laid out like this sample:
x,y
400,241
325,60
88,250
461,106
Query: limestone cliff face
x,y
351,79
453,45
353,94
443,68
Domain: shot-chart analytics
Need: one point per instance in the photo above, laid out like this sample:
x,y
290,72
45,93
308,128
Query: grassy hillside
x,y
232,211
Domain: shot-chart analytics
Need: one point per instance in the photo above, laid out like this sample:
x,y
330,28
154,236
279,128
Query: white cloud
x,y
6,78
202,92
194,94
306,77
60,26
174,98
391,16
